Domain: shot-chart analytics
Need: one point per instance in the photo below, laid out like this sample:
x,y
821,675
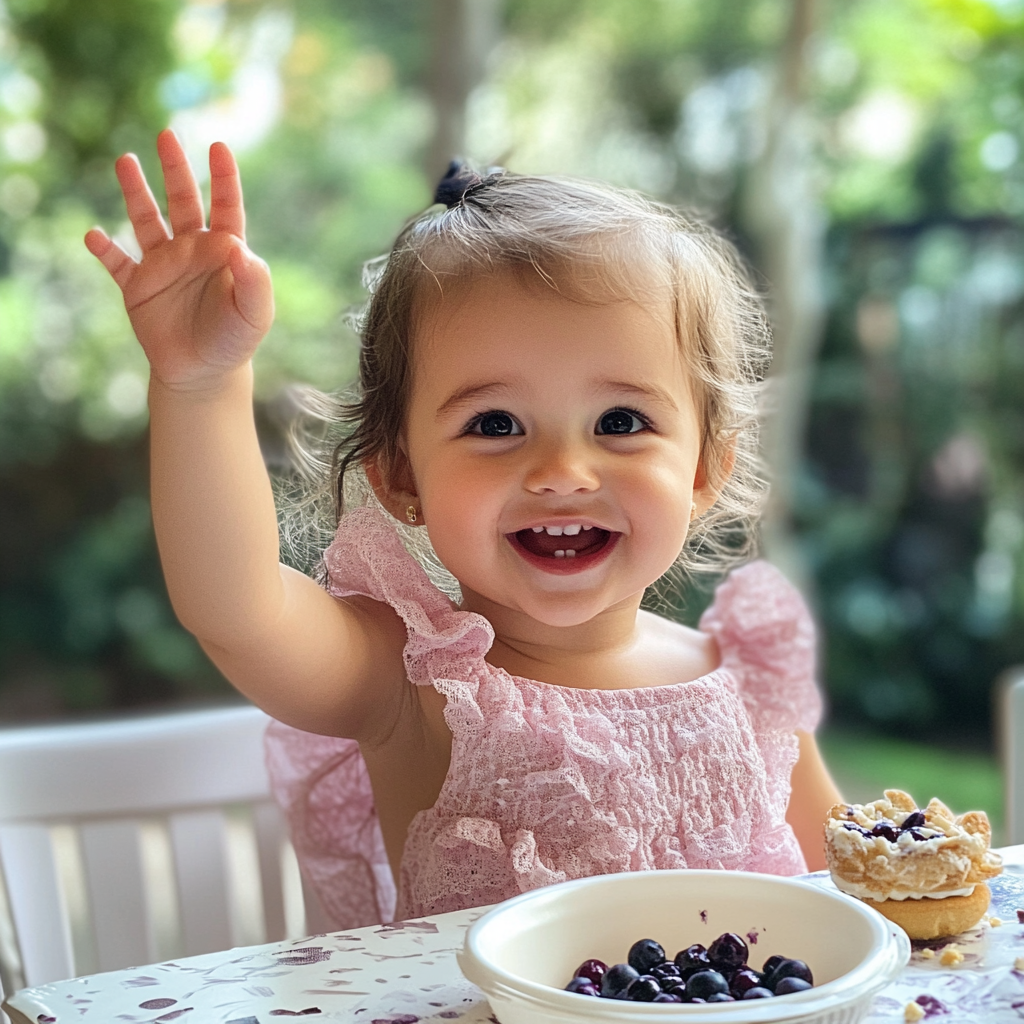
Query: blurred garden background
x,y
865,154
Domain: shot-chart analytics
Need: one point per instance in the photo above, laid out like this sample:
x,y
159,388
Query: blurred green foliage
x,y
910,504
98,64
85,623
865,764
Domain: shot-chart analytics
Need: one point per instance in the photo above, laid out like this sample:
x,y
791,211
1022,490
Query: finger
x,y
143,212
226,210
118,263
184,201
254,294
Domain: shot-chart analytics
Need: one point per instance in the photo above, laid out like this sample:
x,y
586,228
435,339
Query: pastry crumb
x,y
951,956
1018,964
913,1012
927,954
995,922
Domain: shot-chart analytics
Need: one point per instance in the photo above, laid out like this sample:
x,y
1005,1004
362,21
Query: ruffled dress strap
x,y
767,641
321,782
367,558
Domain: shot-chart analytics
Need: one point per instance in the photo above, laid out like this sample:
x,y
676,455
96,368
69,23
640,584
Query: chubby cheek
x,y
468,555
660,512
461,519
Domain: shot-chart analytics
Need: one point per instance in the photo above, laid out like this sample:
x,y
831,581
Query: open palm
x,y
199,300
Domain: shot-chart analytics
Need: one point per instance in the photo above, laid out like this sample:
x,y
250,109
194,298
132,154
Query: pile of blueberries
x,y
717,974
890,830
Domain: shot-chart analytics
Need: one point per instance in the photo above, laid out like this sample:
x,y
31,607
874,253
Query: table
x,y
406,973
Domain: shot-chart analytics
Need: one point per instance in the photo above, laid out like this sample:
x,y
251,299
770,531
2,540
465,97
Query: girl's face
x,y
554,448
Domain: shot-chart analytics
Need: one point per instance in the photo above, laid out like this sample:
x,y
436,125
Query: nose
x,y
561,467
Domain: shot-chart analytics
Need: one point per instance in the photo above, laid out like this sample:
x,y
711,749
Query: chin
x,y
562,613
561,618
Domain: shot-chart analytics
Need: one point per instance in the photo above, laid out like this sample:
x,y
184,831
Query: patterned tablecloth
x,y
406,974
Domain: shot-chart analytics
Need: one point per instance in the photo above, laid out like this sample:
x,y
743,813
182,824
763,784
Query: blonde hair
x,y
591,243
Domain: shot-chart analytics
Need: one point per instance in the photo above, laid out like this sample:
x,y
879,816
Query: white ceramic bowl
x,y
524,951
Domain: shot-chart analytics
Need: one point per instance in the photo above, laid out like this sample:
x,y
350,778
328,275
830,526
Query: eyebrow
x,y
645,390
471,392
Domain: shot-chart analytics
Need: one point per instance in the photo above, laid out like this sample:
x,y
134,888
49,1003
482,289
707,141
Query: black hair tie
x,y
460,181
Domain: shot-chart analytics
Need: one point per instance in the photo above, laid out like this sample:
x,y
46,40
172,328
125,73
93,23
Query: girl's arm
x,y
200,302
813,793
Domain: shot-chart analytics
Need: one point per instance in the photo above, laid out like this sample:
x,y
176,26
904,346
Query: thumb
x,y
254,292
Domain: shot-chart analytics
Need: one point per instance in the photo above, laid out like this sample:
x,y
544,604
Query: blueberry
x,y
582,986
791,984
616,980
592,969
913,820
665,970
693,958
771,963
758,992
917,835
643,989
705,984
727,952
644,955
789,969
885,829
667,997
720,997
742,979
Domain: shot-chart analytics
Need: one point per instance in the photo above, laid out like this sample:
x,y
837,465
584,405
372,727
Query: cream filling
x,y
864,893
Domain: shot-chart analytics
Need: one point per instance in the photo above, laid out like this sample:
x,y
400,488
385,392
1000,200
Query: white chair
x,y
1011,685
110,782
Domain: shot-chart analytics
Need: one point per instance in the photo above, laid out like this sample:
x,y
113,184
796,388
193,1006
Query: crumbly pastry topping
x,y
890,849
951,956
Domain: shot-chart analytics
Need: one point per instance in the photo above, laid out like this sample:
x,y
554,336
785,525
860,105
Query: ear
x,y
395,486
713,472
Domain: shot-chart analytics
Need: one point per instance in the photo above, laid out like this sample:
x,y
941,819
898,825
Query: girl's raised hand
x,y
199,301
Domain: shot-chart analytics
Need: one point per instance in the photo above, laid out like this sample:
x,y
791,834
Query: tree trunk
x,y
463,33
785,219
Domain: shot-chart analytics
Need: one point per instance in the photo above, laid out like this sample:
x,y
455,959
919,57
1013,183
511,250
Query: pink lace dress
x,y
549,782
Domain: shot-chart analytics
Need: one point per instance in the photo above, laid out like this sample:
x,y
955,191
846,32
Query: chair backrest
x,y
1012,708
191,777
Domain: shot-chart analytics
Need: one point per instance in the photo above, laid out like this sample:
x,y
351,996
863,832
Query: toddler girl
x,y
558,384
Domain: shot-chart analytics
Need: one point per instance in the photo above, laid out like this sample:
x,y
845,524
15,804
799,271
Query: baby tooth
x,y
570,553
571,531
538,529
585,528
554,531
561,554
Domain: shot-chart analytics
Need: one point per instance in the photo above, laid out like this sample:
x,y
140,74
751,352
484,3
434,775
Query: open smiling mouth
x,y
564,553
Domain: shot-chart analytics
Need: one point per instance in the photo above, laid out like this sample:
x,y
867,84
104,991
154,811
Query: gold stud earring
x,y
410,514
693,511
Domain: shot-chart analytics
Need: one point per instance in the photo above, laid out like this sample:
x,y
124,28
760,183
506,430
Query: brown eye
x,y
620,421
496,424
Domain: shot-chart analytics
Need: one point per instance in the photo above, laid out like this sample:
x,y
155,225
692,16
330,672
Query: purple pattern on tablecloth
x,y
393,973
405,973
984,989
